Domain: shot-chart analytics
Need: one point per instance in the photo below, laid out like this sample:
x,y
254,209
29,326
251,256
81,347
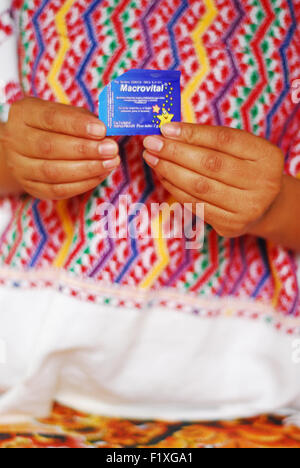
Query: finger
x,y
61,191
238,143
212,214
46,145
204,189
60,118
58,172
207,162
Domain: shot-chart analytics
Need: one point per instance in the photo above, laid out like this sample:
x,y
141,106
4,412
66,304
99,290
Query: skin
x,y
239,177
53,151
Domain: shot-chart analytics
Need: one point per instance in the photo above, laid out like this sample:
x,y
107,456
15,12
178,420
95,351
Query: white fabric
x,y
138,364
5,4
8,54
130,363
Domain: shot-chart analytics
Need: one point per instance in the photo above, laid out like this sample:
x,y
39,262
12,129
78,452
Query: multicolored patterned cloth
x,y
66,428
238,60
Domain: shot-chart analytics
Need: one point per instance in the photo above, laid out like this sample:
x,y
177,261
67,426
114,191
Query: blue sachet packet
x,y
139,102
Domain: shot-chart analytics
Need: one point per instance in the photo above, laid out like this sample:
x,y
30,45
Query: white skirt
x,y
152,363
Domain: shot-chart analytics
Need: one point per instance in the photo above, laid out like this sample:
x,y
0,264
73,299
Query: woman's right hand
x,y
56,151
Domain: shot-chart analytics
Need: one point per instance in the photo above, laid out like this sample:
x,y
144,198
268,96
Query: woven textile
x,y
238,61
66,428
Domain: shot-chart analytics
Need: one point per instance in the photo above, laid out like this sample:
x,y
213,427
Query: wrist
x,y
1,134
2,131
8,184
269,226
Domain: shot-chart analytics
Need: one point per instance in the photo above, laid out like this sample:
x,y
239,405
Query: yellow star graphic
x,y
156,109
165,118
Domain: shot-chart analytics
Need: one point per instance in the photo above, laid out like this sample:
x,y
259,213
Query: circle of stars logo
x,y
166,116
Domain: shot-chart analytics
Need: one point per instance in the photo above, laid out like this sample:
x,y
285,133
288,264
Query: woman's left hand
x,y
237,175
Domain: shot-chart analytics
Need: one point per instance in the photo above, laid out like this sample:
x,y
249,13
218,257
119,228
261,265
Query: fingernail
x,y
108,148
111,163
171,130
154,144
150,159
96,129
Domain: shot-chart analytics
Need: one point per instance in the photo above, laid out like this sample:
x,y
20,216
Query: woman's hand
x,y
56,151
236,175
